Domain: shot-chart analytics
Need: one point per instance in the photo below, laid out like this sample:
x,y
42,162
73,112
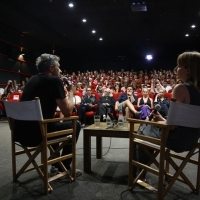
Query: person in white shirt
x,y
166,86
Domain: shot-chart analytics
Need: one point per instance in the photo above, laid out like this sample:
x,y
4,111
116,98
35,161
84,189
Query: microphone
x,y
69,86
65,80
157,108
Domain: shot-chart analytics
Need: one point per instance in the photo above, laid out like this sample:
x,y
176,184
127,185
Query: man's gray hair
x,y
44,61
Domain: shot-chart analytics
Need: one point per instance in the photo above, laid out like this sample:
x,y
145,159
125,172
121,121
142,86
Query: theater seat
x,y
14,97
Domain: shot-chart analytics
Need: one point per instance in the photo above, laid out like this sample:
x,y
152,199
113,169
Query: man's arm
x,y
66,105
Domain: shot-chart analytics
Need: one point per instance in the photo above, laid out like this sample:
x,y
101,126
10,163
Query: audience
x,y
118,82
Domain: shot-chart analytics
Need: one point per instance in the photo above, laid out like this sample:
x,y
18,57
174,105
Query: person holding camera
x,y
156,86
8,90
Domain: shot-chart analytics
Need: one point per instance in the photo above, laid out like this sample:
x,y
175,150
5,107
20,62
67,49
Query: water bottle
x,y
120,120
108,122
125,123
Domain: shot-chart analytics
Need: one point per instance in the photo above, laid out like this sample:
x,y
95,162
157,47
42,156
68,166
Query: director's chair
x,y
181,115
31,111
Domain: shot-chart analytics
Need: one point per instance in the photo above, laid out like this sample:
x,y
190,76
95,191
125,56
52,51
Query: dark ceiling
x,y
53,22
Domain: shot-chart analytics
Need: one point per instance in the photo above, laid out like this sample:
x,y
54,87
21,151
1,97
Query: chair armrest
x,y
60,119
160,124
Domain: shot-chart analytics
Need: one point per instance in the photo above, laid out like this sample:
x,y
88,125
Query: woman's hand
x,y
157,117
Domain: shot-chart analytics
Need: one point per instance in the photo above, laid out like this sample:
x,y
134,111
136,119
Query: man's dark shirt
x,y
124,97
48,89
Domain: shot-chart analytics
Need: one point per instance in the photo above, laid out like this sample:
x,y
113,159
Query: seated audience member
x,y
145,103
127,101
84,92
48,86
87,104
15,86
1,91
163,101
79,87
158,86
105,104
117,88
22,85
180,138
99,90
7,90
166,86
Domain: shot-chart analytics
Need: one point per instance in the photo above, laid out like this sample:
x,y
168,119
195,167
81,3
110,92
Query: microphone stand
x,y
113,121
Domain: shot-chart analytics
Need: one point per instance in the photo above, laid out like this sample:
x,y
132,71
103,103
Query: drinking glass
x,y
97,121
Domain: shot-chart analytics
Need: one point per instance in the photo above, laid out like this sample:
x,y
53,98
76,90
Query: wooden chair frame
x,y
63,137
164,162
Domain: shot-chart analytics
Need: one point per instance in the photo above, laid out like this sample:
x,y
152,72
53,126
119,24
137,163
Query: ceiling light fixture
x,y
138,5
149,57
186,35
100,38
193,26
93,31
84,20
71,5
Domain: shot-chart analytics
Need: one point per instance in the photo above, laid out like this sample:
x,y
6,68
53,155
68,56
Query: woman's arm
x,y
156,99
152,87
151,103
138,103
181,94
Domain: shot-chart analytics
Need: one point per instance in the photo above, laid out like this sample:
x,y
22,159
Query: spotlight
x,y
149,57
